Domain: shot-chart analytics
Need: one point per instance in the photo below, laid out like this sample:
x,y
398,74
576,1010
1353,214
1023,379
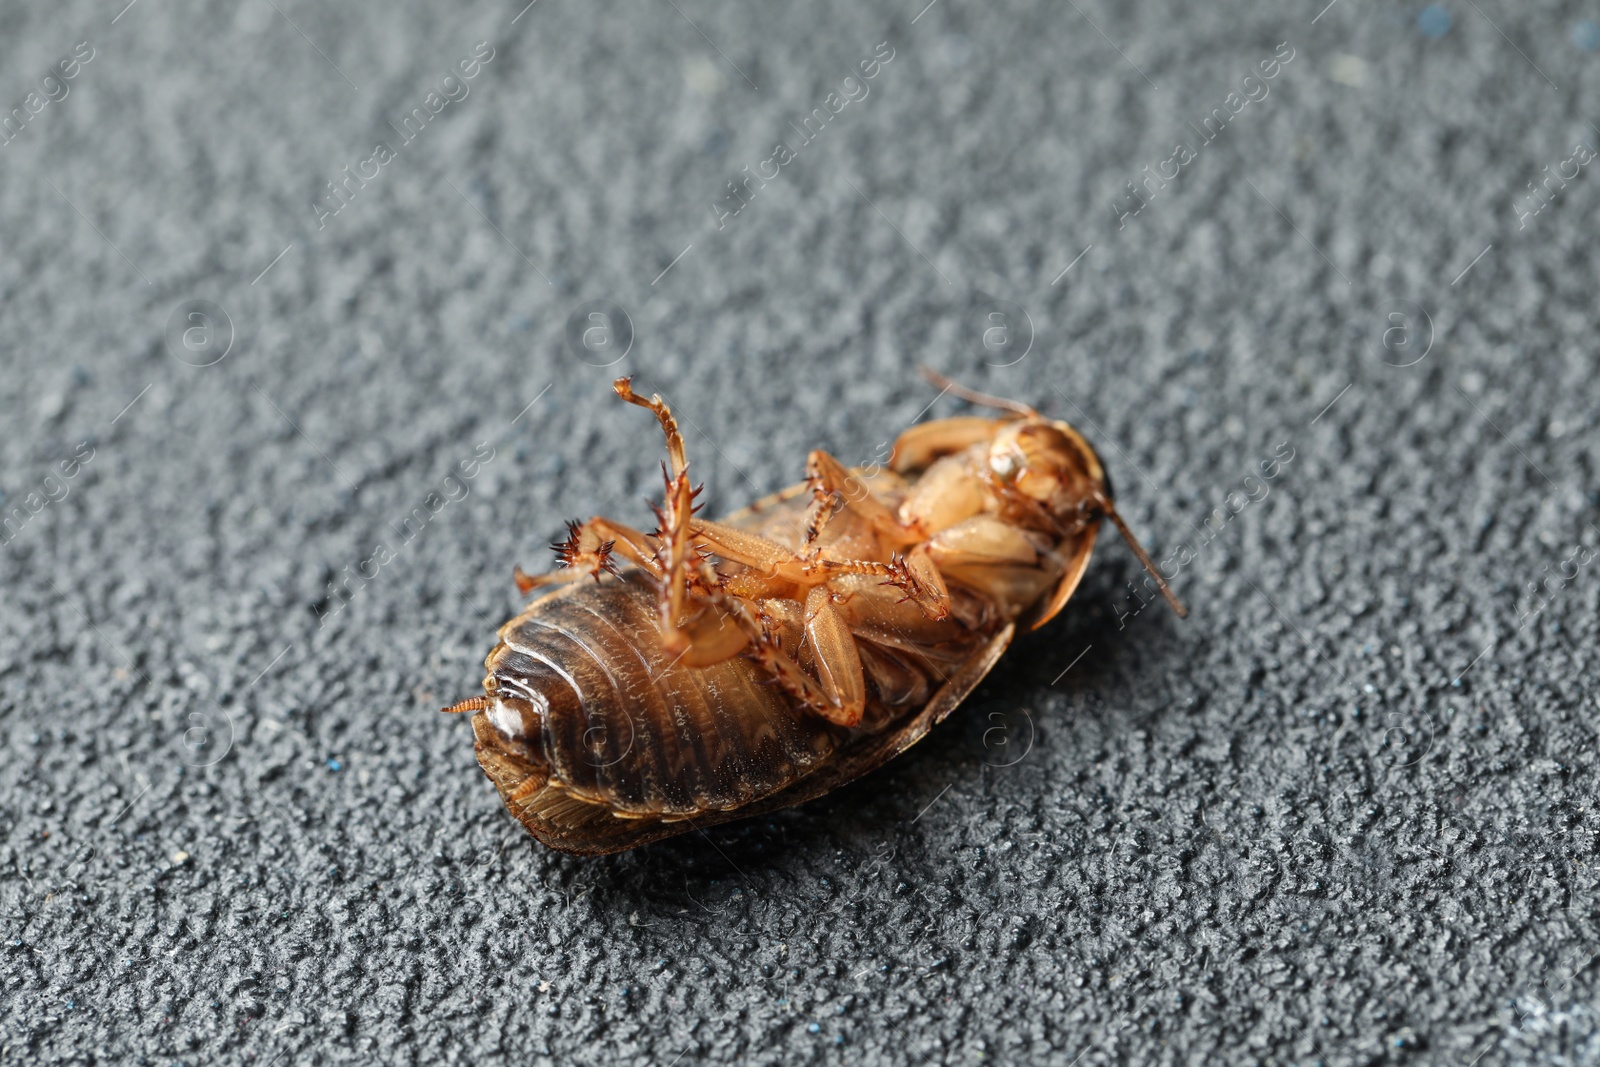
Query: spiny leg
x,y
674,550
914,573
727,624
835,488
714,633
589,549
766,557
840,697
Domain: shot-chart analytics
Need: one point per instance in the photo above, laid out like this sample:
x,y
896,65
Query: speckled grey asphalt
x,y
277,276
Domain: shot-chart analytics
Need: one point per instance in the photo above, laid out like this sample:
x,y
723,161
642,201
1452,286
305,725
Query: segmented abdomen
x,y
640,733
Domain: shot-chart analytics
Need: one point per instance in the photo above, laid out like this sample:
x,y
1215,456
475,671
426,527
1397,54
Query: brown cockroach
x,y
714,670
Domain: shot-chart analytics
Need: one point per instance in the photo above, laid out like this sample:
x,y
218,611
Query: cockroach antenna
x,y
954,388
1110,511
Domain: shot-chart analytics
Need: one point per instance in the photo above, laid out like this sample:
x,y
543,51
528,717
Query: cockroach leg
x,y
766,557
834,488
714,636
669,425
838,662
675,514
713,632
798,685
915,575
825,504
833,647
588,550
923,583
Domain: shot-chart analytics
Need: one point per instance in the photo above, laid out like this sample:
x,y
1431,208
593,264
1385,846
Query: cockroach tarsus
x,y
715,670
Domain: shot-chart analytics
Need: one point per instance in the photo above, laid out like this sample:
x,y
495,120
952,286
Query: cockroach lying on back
x,y
714,670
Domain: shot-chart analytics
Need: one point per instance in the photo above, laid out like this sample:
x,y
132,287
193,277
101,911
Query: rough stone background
x,y
1343,814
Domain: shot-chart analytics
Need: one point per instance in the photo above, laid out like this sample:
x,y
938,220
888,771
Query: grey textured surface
x,y
1345,813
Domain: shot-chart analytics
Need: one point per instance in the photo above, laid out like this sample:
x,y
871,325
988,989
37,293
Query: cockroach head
x,y
1051,464
1047,462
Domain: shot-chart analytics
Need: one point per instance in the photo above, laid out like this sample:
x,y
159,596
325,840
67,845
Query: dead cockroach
x,y
714,670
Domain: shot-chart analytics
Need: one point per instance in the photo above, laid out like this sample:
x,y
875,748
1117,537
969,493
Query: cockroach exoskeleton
x,y
714,670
